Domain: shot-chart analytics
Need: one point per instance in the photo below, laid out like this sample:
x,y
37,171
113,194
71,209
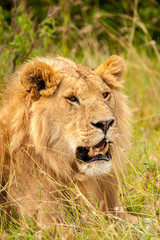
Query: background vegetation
x,y
88,32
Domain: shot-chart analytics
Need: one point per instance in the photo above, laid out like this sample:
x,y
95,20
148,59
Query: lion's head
x,y
75,112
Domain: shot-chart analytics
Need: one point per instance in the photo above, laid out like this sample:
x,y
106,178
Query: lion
x,y
63,125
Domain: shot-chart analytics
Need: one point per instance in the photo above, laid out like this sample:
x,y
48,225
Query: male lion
x,y
62,125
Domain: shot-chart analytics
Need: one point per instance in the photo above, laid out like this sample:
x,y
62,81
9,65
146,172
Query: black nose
x,y
104,125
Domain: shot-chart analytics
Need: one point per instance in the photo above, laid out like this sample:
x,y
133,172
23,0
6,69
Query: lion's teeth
x,y
91,152
105,149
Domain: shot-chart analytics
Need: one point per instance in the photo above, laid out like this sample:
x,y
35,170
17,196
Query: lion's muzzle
x,y
103,125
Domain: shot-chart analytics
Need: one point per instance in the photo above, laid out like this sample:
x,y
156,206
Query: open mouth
x,y
99,152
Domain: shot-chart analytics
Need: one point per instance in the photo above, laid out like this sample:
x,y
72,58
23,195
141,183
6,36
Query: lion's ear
x,y
39,79
112,71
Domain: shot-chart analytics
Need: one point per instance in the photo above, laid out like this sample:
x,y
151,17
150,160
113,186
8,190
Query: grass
x,y
139,188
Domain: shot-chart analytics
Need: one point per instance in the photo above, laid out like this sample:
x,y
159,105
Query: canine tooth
x,y
91,152
105,149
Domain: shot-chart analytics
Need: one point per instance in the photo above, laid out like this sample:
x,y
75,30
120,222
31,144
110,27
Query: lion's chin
x,y
94,169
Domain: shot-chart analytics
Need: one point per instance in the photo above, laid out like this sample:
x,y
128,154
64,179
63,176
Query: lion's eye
x,y
106,95
72,99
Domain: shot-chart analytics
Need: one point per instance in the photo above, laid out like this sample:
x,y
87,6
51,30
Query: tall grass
x,y
91,44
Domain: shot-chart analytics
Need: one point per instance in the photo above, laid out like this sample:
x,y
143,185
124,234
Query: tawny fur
x,y
41,129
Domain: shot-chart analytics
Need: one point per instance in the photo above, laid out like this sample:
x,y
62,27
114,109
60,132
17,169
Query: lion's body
x,y
41,128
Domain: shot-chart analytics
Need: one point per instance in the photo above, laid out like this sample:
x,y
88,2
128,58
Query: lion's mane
x,y
42,127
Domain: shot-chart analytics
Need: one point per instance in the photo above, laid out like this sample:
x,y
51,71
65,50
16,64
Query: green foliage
x,y
88,32
66,26
21,35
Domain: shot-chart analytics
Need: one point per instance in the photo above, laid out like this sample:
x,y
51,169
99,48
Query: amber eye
x,y
72,99
106,95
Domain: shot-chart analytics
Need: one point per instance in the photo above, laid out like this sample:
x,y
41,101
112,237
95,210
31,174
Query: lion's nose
x,y
104,125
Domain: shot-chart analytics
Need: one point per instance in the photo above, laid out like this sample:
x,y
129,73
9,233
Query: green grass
x,y
139,188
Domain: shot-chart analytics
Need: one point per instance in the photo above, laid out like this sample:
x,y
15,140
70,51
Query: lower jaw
x,y
97,158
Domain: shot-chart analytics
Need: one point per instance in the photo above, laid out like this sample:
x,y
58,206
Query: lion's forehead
x,y
79,71
81,87
82,79
85,72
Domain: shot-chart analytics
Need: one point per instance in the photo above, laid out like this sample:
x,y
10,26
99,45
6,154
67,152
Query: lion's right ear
x,y
39,79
